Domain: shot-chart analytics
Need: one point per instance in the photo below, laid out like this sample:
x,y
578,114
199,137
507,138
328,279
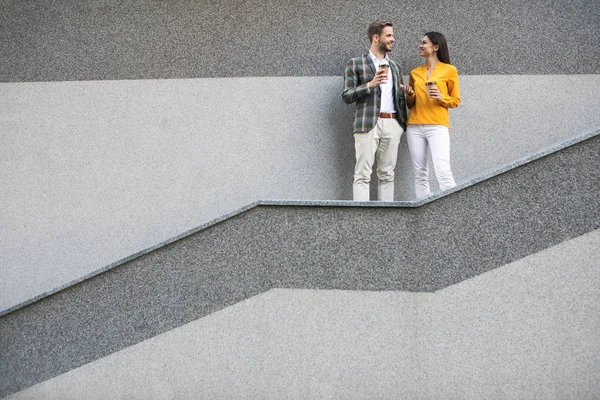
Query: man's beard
x,y
384,48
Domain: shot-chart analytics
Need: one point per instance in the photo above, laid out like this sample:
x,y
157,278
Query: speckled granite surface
x,y
111,39
474,230
93,172
506,334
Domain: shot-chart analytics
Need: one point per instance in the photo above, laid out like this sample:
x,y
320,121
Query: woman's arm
x,y
452,99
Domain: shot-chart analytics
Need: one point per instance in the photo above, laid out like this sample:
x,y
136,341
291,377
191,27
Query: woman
x,y
428,124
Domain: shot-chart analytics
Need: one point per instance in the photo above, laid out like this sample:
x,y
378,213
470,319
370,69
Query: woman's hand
x,y
434,93
407,90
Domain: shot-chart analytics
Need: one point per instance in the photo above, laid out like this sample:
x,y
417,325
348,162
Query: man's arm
x,y
401,98
353,91
400,94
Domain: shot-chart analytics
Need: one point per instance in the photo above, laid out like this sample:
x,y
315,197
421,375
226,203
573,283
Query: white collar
x,y
376,60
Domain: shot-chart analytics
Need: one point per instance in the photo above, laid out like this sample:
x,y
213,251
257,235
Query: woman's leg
x,y
439,144
418,147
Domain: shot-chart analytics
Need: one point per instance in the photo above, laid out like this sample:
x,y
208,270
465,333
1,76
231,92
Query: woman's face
x,y
426,48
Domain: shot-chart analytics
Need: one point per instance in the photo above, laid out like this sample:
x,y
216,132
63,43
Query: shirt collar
x,y
375,60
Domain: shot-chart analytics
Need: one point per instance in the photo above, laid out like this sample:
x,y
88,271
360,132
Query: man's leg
x,y
365,145
439,144
387,155
418,147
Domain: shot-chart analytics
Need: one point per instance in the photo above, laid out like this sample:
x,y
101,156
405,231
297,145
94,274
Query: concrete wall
x,y
126,123
527,330
145,39
427,248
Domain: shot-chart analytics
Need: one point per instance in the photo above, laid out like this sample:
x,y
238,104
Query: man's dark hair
x,y
377,27
438,39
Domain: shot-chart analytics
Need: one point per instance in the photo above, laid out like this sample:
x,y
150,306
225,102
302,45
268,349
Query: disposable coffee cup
x,y
429,85
384,67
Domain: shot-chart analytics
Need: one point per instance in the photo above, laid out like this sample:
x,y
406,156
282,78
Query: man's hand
x,y
380,78
407,90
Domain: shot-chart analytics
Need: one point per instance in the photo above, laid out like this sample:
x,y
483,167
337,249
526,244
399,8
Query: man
x,y
380,112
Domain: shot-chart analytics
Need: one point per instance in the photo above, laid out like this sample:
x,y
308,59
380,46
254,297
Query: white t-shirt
x,y
387,89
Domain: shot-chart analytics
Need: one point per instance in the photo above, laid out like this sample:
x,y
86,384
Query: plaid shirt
x,y
359,72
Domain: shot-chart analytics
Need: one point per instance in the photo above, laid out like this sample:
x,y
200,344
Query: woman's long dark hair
x,y
439,40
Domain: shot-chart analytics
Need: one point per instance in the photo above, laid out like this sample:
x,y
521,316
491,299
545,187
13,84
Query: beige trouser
x,y
379,144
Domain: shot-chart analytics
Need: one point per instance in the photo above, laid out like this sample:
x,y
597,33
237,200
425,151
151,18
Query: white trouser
x,y
422,139
381,144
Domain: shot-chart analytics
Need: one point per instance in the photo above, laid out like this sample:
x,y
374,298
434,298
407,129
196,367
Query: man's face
x,y
386,39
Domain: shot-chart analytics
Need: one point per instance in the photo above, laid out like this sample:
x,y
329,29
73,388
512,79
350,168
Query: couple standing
x,y
374,82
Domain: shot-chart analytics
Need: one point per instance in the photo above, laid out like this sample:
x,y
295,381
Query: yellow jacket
x,y
424,110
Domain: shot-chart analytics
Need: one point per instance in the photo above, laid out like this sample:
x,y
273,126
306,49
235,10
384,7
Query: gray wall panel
x,y
145,39
454,238
507,334
92,172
